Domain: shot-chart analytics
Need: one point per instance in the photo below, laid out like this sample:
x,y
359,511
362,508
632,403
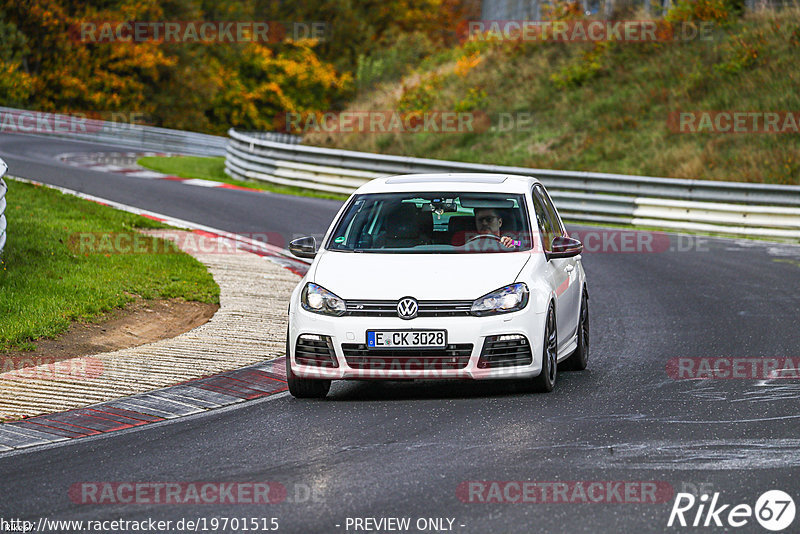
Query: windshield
x,y
433,223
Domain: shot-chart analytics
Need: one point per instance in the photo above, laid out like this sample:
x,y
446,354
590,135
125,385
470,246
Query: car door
x,y
565,272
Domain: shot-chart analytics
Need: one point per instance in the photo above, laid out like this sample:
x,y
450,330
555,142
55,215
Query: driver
x,y
488,221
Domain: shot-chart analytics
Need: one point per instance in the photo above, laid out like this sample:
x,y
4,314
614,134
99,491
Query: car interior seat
x,y
405,226
458,227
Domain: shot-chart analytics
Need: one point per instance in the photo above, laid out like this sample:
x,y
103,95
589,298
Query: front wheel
x,y
546,380
304,388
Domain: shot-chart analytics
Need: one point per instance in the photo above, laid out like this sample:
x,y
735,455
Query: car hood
x,y
365,276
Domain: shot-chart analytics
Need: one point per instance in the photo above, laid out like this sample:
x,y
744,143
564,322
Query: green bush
x,y
393,62
590,65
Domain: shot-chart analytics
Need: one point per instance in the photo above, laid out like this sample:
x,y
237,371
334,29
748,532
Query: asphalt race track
x,y
403,449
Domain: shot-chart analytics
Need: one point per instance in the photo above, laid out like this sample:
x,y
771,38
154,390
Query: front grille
x,y
427,308
505,351
315,350
358,356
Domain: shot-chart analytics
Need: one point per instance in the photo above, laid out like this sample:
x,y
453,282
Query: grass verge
x,y
606,106
204,168
45,284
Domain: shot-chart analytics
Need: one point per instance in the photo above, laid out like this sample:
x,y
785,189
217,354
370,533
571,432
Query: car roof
x,y
468,182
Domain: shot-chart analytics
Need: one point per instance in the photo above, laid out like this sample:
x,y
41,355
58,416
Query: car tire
x,y
304,388
546,381
579,359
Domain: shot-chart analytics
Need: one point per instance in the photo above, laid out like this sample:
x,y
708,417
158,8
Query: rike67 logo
x,y
774,510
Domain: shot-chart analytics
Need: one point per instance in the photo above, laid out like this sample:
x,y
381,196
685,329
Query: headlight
x,y
317,299
507,299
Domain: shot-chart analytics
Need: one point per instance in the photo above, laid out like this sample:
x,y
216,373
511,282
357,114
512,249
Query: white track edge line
x,y
181,223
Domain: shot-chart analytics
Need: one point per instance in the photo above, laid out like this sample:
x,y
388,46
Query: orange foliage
x,y
184,85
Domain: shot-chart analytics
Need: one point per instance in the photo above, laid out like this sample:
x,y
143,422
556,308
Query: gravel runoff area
x,y
249,327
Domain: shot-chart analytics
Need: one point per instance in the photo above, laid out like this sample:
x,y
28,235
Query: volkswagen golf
x,y
440,276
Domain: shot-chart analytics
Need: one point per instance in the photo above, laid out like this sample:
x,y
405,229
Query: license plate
x,y
406,339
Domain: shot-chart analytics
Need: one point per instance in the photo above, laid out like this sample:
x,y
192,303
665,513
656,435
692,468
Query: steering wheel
x,y
480,236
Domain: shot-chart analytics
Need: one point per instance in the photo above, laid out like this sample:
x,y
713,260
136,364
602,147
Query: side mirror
x,y
304,247
564,247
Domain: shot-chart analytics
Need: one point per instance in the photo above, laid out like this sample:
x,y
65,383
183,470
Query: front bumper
x,y
460,331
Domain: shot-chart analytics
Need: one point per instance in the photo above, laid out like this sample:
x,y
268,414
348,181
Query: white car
x,y
436,276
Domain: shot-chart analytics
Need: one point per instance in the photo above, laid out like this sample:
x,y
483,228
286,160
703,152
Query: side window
x,y
558,227
543,221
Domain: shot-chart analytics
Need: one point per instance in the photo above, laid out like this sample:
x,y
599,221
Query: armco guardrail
x,y
3,189
117,134
731,208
